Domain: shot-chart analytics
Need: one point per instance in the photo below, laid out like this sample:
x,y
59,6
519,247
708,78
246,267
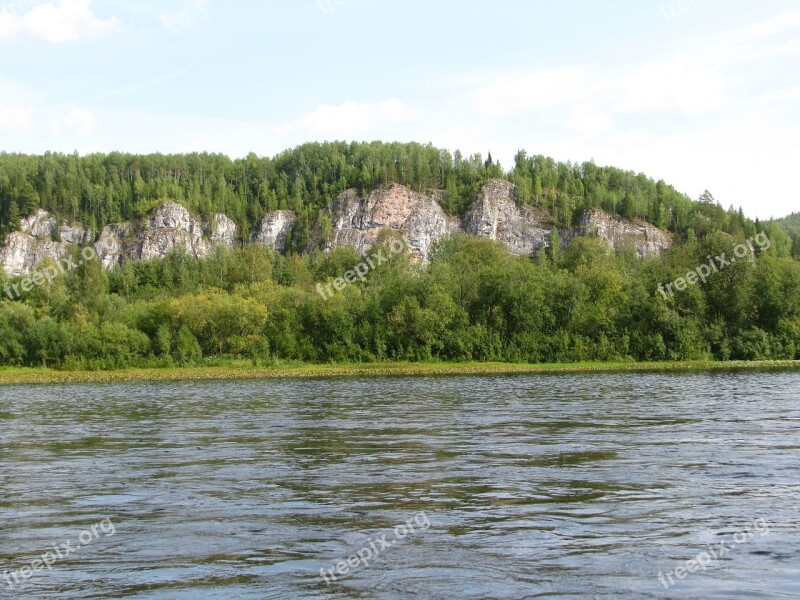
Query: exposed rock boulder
x,y
22,252
223,231
274,229
647,239
170,227
39,225
116,244
40,236
495,215
357,222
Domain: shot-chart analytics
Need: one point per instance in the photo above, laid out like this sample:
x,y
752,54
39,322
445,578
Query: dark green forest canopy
x,y
474,302
99,189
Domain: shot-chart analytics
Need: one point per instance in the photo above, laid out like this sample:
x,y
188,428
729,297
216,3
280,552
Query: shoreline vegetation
x,y
16,376
297,293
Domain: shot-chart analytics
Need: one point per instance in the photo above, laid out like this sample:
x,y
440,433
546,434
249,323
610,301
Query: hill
x,y
102,189
376,252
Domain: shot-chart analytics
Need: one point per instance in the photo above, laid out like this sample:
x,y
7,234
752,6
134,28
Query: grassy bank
x,y
243,371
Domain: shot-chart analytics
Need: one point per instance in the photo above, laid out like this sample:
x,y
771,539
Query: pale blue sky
x,y
701,93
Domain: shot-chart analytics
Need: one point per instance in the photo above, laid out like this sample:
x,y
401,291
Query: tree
x,y
29,199
13,217
707,198
554,246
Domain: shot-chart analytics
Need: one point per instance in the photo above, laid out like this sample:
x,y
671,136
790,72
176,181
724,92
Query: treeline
x,y
791,225
99,189
473,302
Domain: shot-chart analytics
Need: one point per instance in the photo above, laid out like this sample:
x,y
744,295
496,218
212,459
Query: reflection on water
x,y
535,486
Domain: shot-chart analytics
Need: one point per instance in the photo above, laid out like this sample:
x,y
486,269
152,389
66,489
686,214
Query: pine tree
x,y
13,216
30,199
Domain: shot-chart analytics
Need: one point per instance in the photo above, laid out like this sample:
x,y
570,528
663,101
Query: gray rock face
x,y
496,216
39,225
22,252
168,228
356,222
115,244
223,231
647,239
420,220
274,229
35,242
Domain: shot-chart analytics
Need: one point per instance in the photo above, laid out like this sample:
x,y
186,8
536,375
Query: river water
x,y
563,486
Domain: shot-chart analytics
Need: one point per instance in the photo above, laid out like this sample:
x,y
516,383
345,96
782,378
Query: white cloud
x,y
510,93
349,119
192,11
776,97
665,85
588,119
77,123
673,84
771,26
66,21
16,105
81,121
15,117
8,24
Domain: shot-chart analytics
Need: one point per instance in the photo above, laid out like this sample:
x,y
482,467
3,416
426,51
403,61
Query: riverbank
x,y
10,376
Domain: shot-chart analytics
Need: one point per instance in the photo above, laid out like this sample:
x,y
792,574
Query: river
x,y
557,486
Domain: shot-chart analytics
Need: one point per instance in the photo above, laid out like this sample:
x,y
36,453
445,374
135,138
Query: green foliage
x,y
474,302
99,189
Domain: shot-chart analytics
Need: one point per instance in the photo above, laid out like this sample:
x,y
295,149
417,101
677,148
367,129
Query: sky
x,y
701,93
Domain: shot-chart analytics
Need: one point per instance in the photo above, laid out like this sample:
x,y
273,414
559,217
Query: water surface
x,y
557,486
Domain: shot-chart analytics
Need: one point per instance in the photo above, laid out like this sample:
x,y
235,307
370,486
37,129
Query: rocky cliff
x,y
274,229
647,239
40,236
495,215
354,222
419,218
169,227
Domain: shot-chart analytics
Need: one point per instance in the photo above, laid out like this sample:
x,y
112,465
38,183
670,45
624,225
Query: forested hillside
x,y
791,225
474,301
107,188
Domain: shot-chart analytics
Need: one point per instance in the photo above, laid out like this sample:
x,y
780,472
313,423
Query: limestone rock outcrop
x,y
274,229
418,218
354,221
496,216
647,239
40,237
170,227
